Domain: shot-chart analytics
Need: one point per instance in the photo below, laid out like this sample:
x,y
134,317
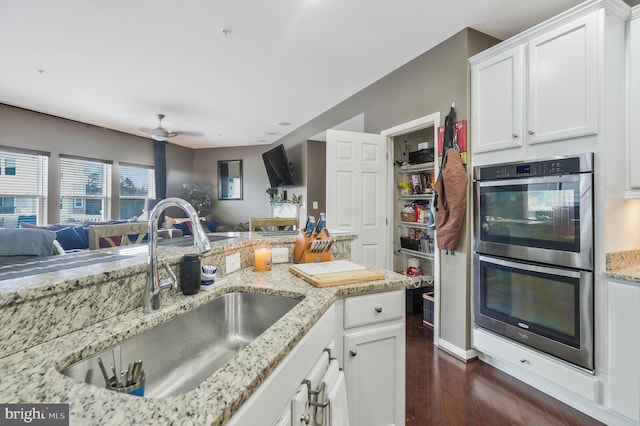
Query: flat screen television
x,y
278,167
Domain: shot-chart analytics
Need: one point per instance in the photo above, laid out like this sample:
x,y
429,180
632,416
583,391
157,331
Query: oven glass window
x,y
543,215
541,303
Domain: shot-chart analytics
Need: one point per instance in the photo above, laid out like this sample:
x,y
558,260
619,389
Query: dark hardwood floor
x,y
443,390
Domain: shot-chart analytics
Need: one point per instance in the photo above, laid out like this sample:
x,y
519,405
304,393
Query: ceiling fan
x,y
161,134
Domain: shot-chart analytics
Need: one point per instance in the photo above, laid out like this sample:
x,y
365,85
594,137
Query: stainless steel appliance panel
x,y
547,308
542,219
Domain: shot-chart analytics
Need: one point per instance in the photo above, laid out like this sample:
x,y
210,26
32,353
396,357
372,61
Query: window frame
x,y
68,188
27,184
151,190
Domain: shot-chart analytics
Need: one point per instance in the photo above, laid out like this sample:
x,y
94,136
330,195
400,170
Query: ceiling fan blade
x,y
190,134
160,133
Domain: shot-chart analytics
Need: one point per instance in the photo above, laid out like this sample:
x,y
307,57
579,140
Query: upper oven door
x,y
544,219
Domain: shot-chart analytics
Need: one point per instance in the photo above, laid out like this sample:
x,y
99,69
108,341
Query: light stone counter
x,y
41,307
80,308
34,376
624,266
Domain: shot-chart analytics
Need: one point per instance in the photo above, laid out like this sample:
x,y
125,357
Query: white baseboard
x,y
463,354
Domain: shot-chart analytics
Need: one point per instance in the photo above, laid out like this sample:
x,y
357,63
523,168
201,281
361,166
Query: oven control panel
x,y
551,167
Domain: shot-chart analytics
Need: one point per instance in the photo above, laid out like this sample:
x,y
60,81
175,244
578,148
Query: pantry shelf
x,y
415,253
416,197
414,225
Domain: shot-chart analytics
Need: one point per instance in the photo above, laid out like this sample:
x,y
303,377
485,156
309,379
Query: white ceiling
x,y
116,64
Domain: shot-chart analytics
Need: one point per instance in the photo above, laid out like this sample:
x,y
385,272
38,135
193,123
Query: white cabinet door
x,y
496,102
374,372
634,102
563,82
624,349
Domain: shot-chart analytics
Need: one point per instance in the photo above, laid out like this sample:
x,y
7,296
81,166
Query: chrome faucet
x,y
155,286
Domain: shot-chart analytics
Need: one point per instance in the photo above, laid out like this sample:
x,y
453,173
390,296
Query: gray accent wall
x,y
31,130
429,83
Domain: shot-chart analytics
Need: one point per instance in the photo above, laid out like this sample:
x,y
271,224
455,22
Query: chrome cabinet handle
x,y
531,132
305,419
524,361
378,309
515,135
352,352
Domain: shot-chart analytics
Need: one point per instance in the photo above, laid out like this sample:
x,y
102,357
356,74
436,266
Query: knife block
x,y
302,250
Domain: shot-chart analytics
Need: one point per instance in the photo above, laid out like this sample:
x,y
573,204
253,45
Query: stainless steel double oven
x,y
533,260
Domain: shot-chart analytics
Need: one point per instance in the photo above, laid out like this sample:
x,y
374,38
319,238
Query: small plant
x,y
241,227
271,191
200,196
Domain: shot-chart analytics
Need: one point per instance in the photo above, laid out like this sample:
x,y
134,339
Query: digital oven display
x,y
523,170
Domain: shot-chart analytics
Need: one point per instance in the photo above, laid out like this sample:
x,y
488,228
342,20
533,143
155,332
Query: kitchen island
x,y
34,368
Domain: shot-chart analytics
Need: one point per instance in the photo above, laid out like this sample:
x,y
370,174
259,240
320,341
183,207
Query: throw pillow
x,y
185,227
26,242
73,237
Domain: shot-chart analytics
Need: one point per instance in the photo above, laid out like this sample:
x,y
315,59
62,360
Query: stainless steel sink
x,y
182,352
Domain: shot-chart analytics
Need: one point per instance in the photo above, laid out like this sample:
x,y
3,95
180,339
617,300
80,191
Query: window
x,y
7,205
23,187
85,190
10,166
137,185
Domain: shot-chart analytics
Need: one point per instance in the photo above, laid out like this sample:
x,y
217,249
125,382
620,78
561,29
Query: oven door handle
x,y
530,181
530,267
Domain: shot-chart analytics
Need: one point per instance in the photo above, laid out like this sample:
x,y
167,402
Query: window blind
x,y
137,185
85,190
23,187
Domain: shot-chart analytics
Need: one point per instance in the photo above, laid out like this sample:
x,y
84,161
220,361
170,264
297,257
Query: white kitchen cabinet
x,y
265,405
537,89
624,349
374,358
497,101
563,82
633,70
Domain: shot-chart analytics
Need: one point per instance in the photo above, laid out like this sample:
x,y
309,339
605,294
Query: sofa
x,y
75,236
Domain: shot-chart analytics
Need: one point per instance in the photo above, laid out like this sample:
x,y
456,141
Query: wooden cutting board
x,y
328,279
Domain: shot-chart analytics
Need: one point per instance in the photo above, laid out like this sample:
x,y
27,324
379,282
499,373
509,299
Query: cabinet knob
x,y
305,418
352,352
378,309
524,361
515,135
531,132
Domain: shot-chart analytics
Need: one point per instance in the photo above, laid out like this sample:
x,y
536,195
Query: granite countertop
x,y
623,265
35,378
132,260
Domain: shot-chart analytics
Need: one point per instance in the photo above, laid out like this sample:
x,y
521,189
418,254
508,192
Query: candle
x,y
262,259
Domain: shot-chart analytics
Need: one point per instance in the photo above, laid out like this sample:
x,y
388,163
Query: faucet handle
x,y
167,284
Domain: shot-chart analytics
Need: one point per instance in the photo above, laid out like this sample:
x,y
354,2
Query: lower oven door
x,y
547,308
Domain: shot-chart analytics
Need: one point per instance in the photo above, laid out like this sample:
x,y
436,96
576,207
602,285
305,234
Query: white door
x,y
356,193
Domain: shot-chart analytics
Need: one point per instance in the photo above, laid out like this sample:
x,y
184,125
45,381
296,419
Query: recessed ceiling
x,y
234,71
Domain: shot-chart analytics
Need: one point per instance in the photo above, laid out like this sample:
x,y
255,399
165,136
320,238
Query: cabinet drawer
x,y
373,308
526,364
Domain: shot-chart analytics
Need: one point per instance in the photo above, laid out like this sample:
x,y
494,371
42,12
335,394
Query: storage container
x,y
427,301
